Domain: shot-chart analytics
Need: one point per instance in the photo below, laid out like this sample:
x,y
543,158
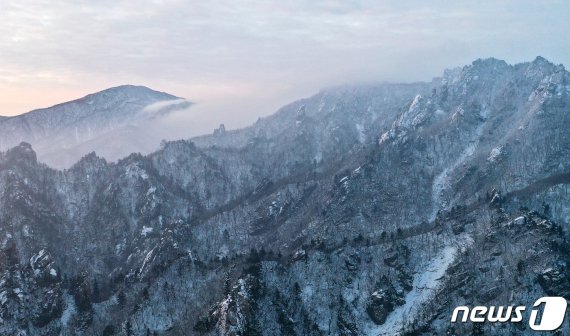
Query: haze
x,y
240,60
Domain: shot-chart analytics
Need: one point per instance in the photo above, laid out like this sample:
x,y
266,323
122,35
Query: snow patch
x,y
150,191
134,171
146,230
458,112
442,181
495,153
70,309
415,102
3,297
519,220
484,113
425,286
385,137
147,259
307,293
361,135
223,252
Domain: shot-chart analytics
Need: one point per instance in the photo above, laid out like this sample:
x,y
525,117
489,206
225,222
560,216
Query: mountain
x,y
62,134
363,210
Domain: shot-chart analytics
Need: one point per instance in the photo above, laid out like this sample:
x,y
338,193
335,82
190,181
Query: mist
x,y
239,61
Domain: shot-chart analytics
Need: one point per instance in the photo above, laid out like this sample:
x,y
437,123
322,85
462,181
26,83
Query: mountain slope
x,y
64,133
302,224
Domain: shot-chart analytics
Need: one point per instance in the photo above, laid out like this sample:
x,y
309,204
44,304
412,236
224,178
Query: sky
x,y
239,60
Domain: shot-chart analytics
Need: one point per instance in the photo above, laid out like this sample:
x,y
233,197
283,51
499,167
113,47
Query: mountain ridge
x,y
366,211
60,133
124,89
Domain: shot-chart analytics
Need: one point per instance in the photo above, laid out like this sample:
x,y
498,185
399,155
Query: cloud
x,y
234,51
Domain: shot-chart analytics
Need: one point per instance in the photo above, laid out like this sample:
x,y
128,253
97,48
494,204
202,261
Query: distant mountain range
x,y
111,122
362,210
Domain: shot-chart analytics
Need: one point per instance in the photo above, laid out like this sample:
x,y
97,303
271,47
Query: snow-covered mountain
x,y
111,122
363,210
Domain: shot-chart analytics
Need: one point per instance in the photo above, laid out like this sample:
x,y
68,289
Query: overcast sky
x,y
243,59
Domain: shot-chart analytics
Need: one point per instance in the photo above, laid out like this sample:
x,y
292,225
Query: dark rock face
x,y
361,210
555,282
383,301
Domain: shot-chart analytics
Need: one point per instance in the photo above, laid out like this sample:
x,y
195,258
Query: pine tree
x,y
128,329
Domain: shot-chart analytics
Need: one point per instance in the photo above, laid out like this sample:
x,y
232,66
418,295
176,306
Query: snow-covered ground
x,y
425,286
70,310
442,181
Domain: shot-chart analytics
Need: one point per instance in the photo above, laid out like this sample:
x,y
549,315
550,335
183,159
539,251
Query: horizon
x,y
309,94
244,61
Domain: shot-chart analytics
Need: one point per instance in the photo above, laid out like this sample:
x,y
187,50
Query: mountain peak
x,y
79,126
542,63
132,91
541,60
491,63
22,152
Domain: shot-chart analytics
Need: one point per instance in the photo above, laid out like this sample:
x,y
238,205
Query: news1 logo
x,y
550,317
